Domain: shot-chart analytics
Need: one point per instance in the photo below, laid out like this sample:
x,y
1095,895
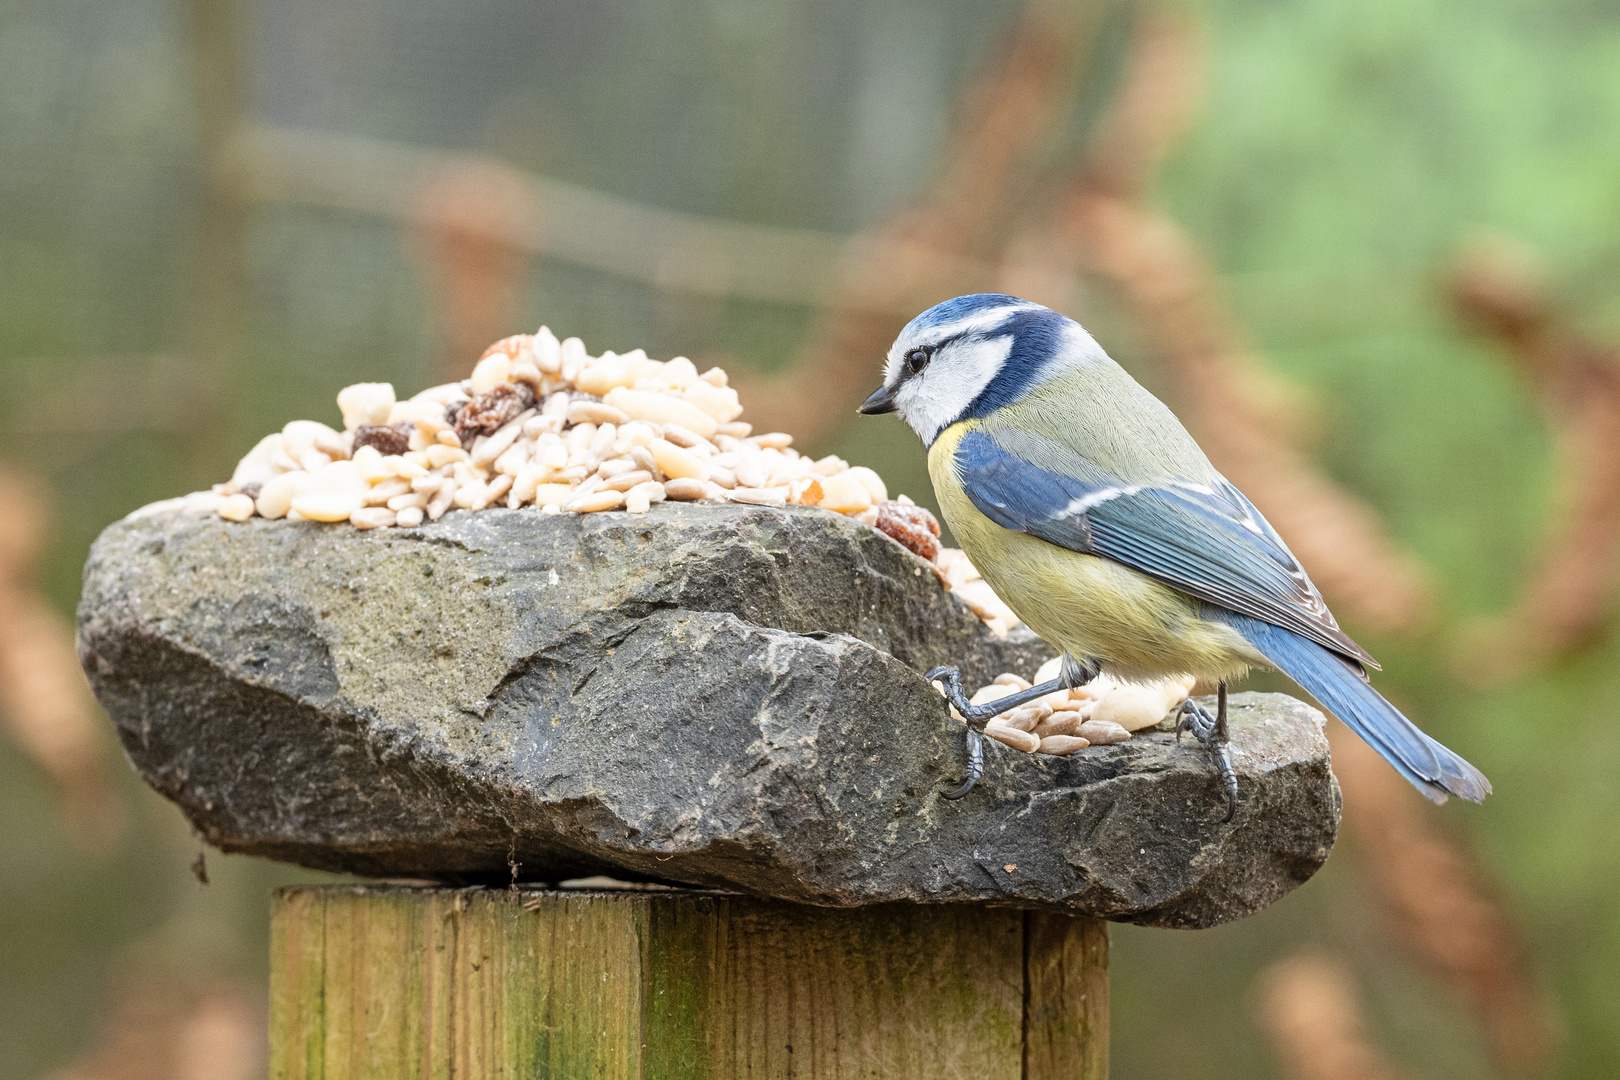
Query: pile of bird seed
x,y
1102,712
542,423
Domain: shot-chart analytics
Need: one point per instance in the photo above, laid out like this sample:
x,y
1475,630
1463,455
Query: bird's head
x,y
972,355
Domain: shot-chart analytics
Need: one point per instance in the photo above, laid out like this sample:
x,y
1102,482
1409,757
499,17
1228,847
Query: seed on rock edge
x,y
1026,717
772,496
628,480
652,490
845,494
372,517
469,491
595,501
407,500
805,491
236,507
410,517
1103,732
1062,745
441,500
1060,723
685,489
329,497
677,463
552,494
256,467
496,488
276,496
1018,740
1132,707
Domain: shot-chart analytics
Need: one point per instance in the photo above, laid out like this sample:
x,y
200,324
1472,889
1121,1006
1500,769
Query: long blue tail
x,y
1430,767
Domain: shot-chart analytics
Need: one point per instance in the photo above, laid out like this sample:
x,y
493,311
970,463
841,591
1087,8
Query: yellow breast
x,y
1091,607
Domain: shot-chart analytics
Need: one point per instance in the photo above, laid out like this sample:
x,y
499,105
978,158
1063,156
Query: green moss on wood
x,y
430,983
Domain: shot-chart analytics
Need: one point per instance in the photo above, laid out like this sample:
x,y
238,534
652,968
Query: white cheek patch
x,y
981,322
952,380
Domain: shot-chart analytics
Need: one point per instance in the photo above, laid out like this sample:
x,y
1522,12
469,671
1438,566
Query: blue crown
x,y
961,308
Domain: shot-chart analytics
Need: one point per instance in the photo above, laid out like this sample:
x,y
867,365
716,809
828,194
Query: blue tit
x,y
1091,511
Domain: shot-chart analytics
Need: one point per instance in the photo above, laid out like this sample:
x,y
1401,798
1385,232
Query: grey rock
x,y
720,696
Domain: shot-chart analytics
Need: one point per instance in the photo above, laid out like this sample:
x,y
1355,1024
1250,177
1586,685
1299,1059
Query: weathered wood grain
x,y
438,983
1066,1003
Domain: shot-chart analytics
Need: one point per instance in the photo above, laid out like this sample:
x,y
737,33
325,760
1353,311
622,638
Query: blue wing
x,y
1206,540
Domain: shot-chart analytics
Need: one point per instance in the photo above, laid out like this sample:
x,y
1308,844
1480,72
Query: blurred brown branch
x,y
45,701
948,241
1443,906
464,216
1308,1007
1245,418
683,253
162,1027
1569,598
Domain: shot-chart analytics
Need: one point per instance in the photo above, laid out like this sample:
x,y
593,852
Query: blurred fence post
x,y
407,982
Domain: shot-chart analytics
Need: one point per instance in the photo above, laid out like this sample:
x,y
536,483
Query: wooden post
x,y
427,982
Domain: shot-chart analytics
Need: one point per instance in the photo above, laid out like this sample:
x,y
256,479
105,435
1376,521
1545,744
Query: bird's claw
x,y
1210,731
975,765
1071,673
950,679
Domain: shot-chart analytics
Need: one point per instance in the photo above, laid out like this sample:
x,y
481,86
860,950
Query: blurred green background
x,y
163,303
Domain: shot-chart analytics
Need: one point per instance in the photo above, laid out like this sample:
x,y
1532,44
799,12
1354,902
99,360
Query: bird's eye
x,y
917,359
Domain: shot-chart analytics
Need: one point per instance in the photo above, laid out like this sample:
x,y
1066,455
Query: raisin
x,y
386,438
911,526
489,412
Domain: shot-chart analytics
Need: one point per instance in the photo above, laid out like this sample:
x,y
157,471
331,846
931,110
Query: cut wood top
x,y
721,696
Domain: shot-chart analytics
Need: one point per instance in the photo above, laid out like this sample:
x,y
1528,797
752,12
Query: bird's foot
x,y
1072,673
1211,732
975,764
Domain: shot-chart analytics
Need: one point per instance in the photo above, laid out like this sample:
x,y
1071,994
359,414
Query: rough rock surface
x,y
723,696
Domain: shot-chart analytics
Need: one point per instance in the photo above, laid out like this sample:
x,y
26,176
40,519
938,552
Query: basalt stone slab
x,y
721,696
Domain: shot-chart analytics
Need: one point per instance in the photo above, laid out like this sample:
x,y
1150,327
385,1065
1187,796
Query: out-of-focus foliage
x,y
1343,154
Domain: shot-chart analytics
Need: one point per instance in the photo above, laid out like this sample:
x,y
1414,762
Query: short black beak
x,y
881,401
